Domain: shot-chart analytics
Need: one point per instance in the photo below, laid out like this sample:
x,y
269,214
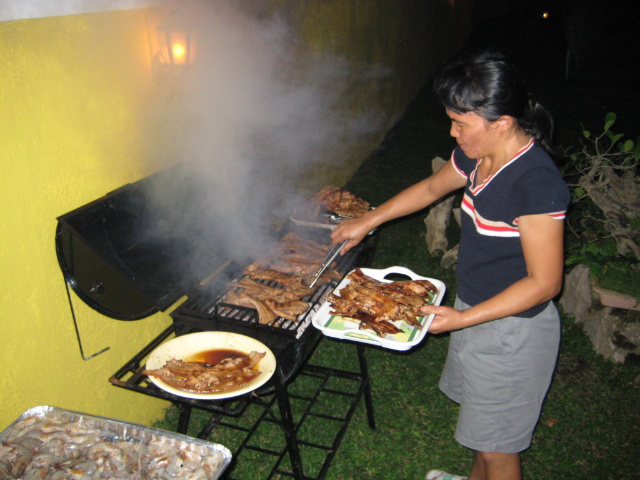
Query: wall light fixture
x,y
177,48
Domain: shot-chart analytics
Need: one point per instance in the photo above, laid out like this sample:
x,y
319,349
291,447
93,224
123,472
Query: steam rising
x,y
256,113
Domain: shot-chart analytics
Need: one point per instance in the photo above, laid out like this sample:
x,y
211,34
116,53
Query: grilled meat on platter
x,y
376,305
199,377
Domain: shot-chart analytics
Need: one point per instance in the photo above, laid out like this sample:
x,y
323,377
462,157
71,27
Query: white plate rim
x,y
187,345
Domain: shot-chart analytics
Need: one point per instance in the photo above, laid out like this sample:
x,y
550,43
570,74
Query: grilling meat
x,y
331,199
198,377
265,314
334,199
270,302
263,292
375,304
290,309
293,260
271,275
293,242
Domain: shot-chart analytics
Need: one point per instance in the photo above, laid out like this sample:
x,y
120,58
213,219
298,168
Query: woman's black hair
x,y
485,83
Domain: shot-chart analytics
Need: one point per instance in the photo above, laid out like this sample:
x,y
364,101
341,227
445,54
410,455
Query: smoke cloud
x,y
255,115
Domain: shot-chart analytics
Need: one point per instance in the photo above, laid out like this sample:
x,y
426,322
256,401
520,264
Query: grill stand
x,y
77,329
223,411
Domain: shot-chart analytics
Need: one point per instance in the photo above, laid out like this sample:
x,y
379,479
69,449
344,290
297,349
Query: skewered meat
x,y
375,304
199,377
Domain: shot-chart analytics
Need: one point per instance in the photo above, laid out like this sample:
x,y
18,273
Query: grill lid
x,y
127,257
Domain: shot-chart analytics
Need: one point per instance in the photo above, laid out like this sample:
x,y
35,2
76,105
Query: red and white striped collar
x,y
478,188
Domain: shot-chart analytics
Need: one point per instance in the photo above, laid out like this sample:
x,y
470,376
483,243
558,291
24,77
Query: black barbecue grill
x,y
115,259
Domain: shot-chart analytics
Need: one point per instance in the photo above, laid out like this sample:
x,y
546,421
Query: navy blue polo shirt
x,y
490,256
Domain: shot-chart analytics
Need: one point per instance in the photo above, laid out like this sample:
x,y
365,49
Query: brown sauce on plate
x,y
214,357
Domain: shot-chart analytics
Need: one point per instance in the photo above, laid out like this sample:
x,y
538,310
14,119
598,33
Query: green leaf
x,y
609,120
615,138
628,146
586,133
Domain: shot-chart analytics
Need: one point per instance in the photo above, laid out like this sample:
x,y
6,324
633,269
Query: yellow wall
x,y
75,95
72,91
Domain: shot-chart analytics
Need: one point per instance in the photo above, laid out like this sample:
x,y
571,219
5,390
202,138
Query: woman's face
x,y
476,136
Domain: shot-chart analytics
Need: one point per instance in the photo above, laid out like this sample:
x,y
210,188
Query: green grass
x,y
590,423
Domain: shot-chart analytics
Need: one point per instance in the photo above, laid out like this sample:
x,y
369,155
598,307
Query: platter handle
x,y
397,270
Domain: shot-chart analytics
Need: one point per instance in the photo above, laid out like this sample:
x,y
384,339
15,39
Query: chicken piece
x,y
198,377
340,201
290,309
269,274
376,304
265,315
263,292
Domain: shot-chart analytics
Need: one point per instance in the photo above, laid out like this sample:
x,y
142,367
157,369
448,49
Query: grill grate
x,y
210,312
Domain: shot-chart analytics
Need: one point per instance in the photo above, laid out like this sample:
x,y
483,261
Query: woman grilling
x,y
505,330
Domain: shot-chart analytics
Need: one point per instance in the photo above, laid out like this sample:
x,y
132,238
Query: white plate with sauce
x,y
191,346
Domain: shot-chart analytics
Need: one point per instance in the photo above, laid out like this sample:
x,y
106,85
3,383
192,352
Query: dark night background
x,y
581,62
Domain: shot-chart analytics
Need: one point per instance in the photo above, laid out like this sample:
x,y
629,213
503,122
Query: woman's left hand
x,y
445,320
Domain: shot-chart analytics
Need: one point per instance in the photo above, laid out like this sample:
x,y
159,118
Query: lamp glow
x,y
177,43
177,47
179,53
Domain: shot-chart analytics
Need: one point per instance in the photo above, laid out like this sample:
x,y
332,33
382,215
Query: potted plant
x,y
603,222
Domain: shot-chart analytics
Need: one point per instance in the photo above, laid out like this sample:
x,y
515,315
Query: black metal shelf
x,y
289,405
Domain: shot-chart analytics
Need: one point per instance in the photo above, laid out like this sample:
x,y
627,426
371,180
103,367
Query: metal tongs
x,y
334,217
328,260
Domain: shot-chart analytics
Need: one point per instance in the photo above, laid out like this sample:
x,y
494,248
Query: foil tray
x,y
117,431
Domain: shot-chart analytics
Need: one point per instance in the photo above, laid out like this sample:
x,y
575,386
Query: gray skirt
x,y
499,372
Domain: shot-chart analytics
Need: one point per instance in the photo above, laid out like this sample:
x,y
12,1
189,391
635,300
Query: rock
x,y
614,333
611,335
438,218
456,215
450,258
576,294
437,222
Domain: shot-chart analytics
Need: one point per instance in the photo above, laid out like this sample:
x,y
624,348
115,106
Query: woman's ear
x,y
505,123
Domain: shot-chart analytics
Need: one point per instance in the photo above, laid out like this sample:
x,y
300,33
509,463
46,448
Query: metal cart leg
x,y
364,371
287,423
184,418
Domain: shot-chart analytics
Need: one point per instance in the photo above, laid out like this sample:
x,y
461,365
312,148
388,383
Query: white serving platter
x,y
346,329
187,346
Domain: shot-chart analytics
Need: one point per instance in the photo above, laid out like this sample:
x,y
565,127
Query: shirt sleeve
x,y
540,191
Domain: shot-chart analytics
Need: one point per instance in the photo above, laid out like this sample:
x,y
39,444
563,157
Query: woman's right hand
x,y
353,229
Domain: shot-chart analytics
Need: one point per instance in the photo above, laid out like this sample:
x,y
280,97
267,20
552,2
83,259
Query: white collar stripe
x,y
486,181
